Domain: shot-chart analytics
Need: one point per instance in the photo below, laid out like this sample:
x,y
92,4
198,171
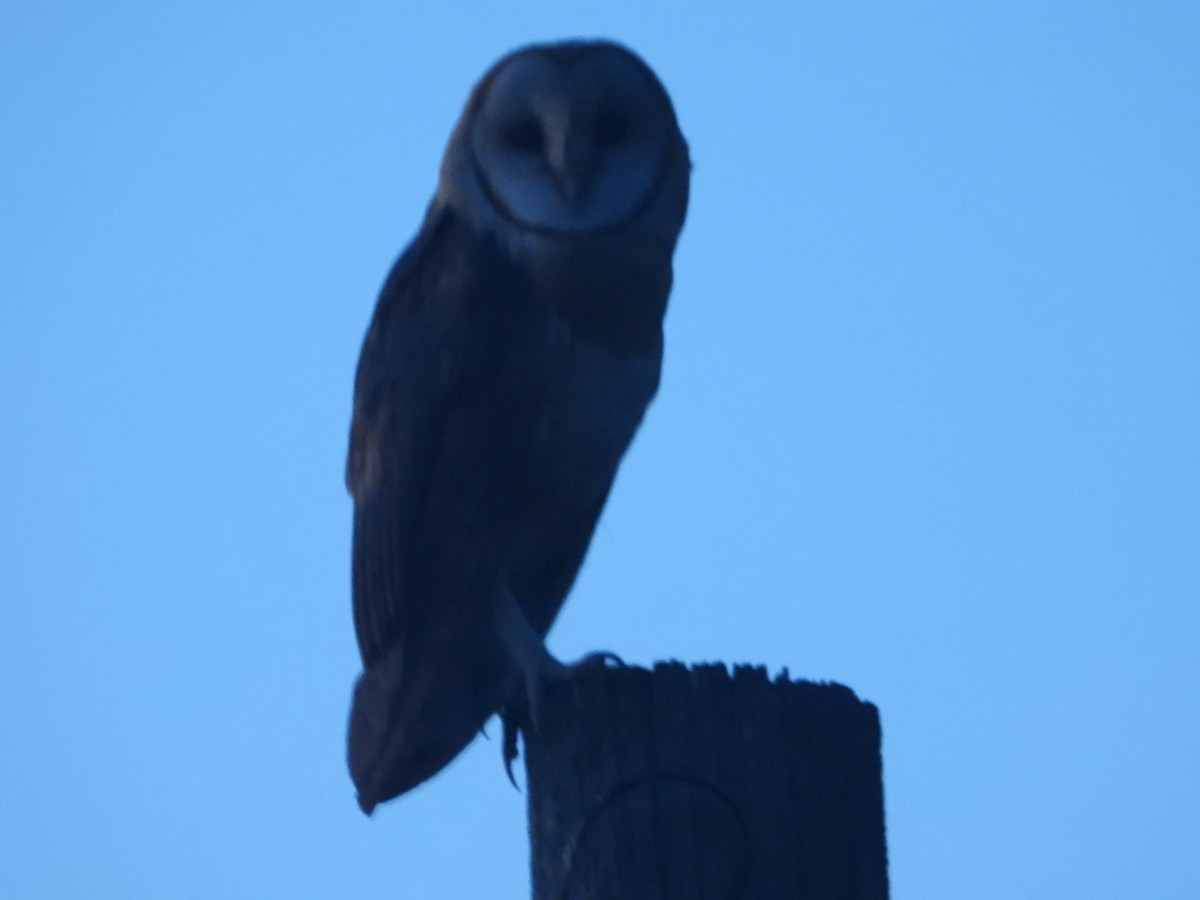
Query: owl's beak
x,y
568,188
572,164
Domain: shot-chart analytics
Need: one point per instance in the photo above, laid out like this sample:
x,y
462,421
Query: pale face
x,y
572,146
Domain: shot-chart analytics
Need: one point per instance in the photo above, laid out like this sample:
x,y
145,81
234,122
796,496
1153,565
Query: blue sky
x,y
929,426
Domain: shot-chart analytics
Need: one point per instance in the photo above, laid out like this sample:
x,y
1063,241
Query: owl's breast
x,y
595,409
574,446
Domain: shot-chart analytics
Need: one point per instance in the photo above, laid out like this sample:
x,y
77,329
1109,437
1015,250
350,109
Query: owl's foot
x,y
526,712
535,672
522,714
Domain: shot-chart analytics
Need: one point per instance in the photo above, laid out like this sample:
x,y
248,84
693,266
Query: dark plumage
x,y
500,382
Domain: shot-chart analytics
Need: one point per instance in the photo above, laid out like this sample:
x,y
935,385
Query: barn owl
x,y
512,353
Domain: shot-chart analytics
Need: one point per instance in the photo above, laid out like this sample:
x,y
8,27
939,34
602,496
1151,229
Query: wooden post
x,y
691,783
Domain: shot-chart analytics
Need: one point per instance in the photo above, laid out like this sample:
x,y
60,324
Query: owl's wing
x,y
441,412
452,377
403,396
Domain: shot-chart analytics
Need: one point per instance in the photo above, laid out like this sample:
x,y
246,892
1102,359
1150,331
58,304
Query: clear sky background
x,y
929,426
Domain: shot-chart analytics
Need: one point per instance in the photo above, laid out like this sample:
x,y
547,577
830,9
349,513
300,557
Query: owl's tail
x,y
406,726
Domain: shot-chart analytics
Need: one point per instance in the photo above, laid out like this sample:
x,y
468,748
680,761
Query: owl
x,y
512,353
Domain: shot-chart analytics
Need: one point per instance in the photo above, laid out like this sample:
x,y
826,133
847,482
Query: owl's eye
x,y
612,127
524,135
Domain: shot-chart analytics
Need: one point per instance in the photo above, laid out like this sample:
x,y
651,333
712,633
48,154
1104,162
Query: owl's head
x,y
567,139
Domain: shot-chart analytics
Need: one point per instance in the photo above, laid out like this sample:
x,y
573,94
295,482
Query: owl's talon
x,y
596,660
525,714
509,745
